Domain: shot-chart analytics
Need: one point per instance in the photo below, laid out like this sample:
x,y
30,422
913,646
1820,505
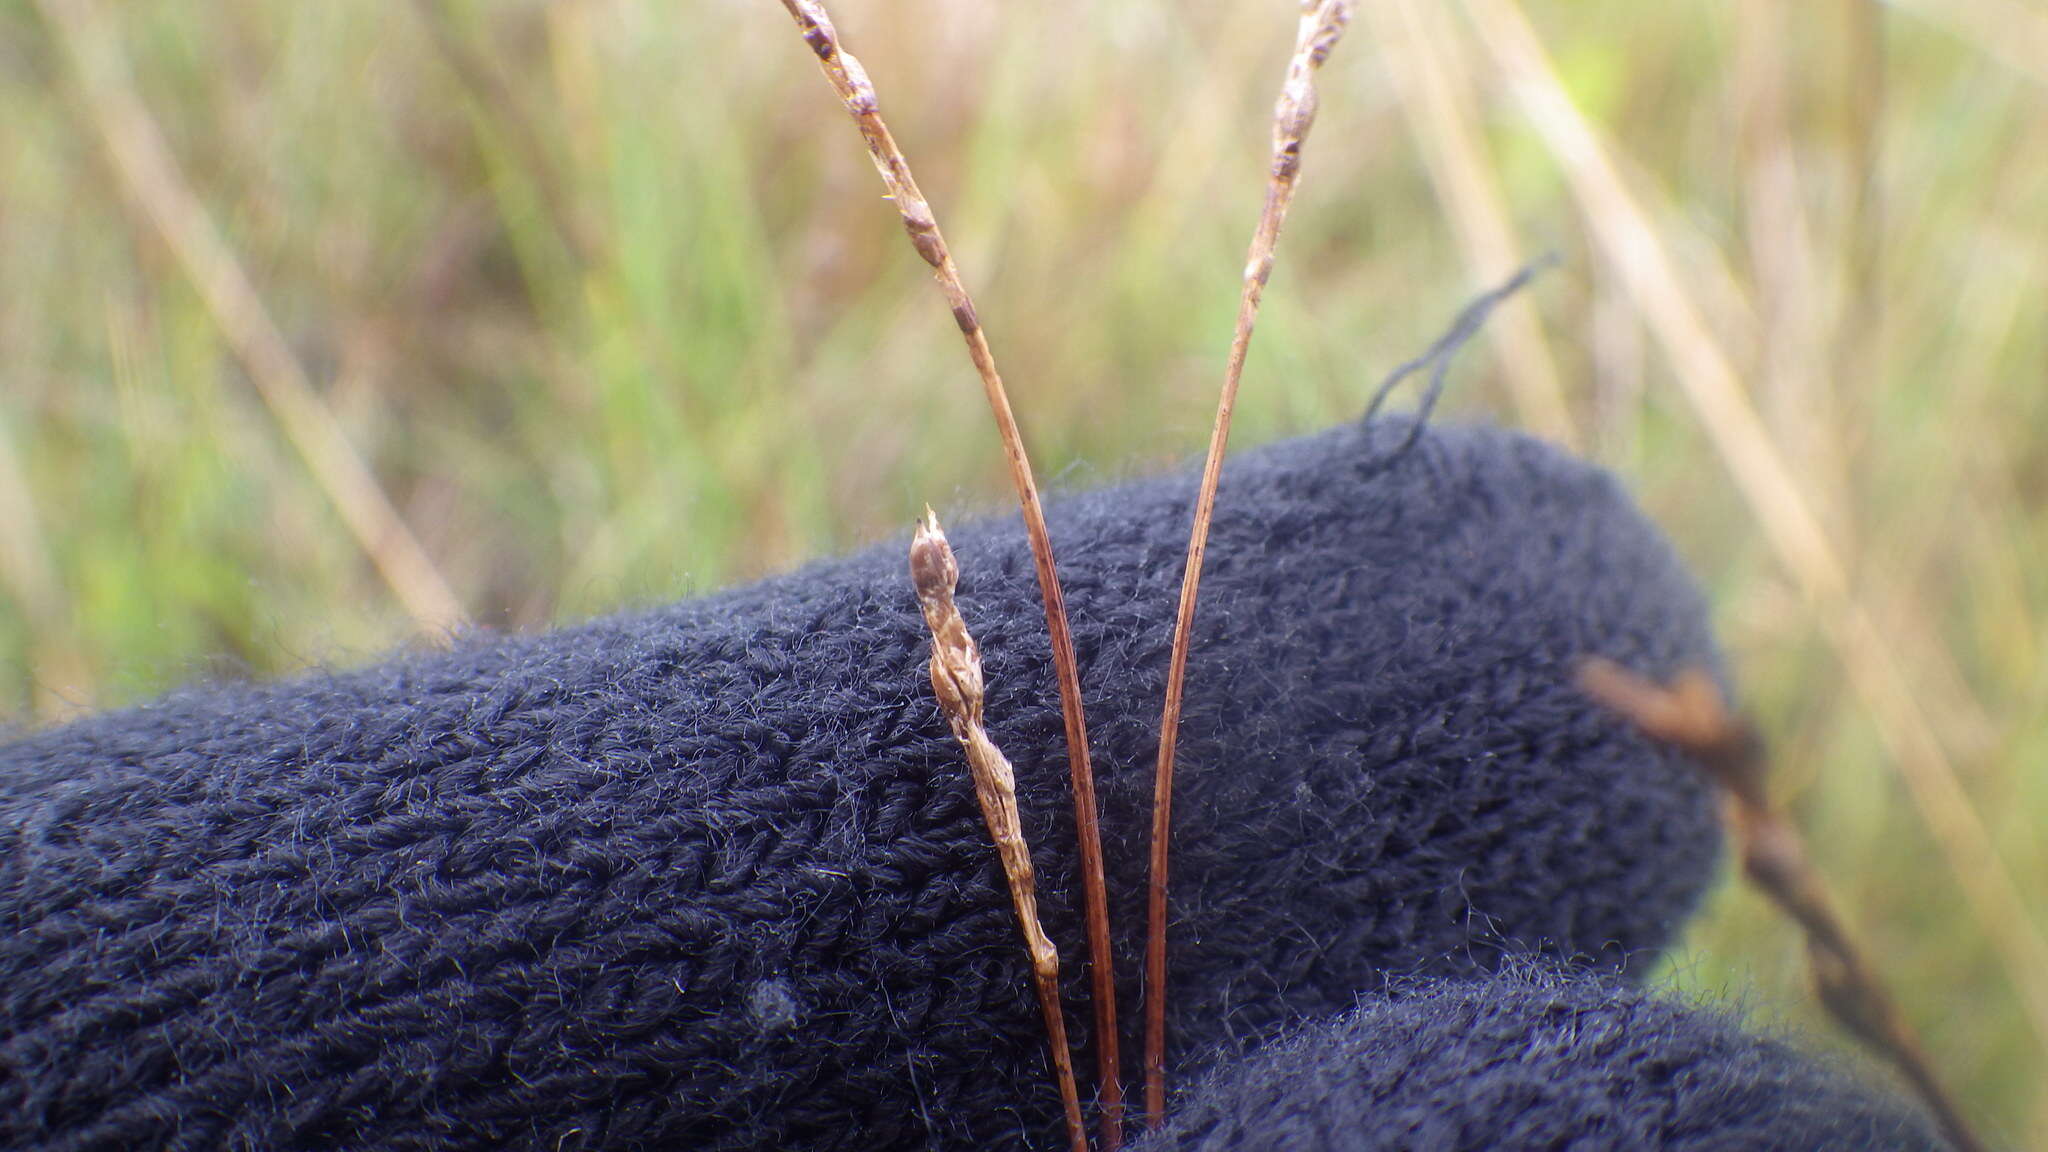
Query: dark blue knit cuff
x,y
713,876
1534,1060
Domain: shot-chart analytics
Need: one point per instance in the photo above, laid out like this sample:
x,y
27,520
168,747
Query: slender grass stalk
x,y
1322,24
957,682
1857,352
1689,715
1628,241
851,82
150,176
1790,379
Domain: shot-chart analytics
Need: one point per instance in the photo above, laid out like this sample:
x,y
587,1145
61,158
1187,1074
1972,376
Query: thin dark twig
x,y
1689,715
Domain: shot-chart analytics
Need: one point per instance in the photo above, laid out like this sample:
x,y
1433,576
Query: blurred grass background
x,y
603,295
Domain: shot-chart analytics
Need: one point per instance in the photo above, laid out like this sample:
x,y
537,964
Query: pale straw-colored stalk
x,y
851,82
1322,24
1857,350
1791,381
149,174
957,682
1628,242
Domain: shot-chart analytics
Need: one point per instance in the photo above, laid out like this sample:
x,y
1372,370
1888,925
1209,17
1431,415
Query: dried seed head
x,y
933,570
956,681
850,81
956,662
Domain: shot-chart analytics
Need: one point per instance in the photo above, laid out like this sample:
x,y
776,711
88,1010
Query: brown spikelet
x,y
956,681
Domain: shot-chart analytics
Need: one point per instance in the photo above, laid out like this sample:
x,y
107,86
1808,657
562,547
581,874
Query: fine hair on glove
x,y
713,876
1532,1058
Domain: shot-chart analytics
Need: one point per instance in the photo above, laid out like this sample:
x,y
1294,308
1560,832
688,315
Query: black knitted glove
x,y
713,876
1533,1060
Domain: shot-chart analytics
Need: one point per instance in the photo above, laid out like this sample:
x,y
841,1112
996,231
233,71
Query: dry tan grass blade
x,y
1322,24
1629,242
150,176
956,681
851,82
1690,716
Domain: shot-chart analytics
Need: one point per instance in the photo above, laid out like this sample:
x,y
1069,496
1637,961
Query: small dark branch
x,y
1689,715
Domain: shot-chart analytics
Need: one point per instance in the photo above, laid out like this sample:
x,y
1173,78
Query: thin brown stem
x,y
1689,715
150,176
1322,23
957,682
851,82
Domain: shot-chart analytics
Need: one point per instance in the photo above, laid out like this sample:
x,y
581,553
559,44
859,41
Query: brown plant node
x,y
1690,716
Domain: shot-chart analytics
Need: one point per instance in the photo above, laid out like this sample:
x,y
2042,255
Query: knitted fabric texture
x,y
713,876
1533,1060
